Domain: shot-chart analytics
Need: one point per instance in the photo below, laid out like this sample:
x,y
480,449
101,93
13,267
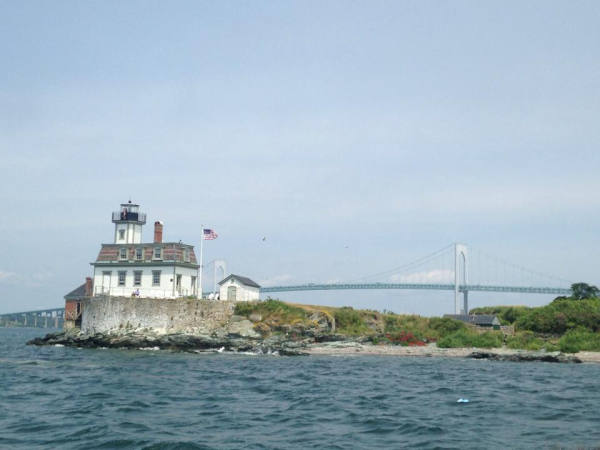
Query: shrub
x,y
470,338
506,314
550,347
562,315
244,308
524,340
405,339
349,321
446,325
580,339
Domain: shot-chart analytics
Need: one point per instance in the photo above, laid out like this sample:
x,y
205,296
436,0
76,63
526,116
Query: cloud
x,y
8,277
432,276
276,280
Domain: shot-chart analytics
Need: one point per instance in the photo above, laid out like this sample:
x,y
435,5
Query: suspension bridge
x,y
455,268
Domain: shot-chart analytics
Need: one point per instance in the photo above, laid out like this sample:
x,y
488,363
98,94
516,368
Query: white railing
x,y
143,293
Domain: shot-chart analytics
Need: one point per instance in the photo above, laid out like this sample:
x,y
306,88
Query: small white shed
x,y
240,289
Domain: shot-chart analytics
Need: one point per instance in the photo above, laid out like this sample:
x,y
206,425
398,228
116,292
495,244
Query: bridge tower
x,y
461,252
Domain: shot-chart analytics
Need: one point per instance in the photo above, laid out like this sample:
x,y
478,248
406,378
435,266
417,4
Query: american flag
x,y
209,235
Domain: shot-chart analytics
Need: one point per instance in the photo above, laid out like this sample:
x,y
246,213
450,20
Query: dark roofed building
x,y
479,320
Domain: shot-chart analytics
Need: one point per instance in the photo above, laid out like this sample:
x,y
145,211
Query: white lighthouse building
x,y
129,267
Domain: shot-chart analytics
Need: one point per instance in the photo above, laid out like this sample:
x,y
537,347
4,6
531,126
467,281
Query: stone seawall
x,y
103,314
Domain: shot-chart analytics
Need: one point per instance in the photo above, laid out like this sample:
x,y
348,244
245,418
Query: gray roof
x,y
243,280
76,293
475,319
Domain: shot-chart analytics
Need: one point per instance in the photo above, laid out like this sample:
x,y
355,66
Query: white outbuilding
x,y
238,288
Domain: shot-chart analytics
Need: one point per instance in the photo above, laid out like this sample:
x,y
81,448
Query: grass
x,y
272,309
350,321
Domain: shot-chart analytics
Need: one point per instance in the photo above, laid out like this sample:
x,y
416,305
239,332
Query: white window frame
x,y
186,254
123,256
155,274
160,253
141,253
122,273
136,274
121,234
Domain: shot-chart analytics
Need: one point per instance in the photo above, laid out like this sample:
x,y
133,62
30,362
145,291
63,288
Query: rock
x,y
324,322
255,317
236,318
554,357
242,328
284,352
333,338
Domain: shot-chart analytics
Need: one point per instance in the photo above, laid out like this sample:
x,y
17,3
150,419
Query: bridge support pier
x,y
46,320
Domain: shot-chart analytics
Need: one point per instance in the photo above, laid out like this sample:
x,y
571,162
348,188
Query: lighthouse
x,y
128,223
128,267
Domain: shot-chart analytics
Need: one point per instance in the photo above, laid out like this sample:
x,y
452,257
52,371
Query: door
x,y
105,282
178,284
231,292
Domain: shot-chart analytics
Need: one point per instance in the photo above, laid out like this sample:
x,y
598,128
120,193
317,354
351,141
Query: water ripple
x,y
71,399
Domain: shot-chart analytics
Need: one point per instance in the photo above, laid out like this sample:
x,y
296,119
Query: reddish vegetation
x,y
405,338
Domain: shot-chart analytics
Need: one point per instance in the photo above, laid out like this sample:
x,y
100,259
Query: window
x,y
186,255
121,234
139,253
122,275
137,277
193,289
123,253
156,277
157,252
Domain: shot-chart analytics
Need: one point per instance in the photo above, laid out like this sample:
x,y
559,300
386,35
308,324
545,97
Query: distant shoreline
x,y
356,349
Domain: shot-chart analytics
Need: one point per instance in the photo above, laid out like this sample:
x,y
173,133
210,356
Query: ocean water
x,y
64,398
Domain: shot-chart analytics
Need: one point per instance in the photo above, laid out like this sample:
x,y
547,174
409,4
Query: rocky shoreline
x,y
244,340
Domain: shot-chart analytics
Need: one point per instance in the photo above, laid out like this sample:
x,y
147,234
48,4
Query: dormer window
x,y
186,255
157,252
121,234
123,254
139,253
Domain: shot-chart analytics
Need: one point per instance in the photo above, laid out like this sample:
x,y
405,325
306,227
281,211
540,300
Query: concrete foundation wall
x,y
102,314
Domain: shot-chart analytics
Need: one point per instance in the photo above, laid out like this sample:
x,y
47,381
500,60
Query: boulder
x,y
242,328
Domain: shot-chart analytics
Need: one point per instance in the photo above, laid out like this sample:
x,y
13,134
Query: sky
x,y
355,136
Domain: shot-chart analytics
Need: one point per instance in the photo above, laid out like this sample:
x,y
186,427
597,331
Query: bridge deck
x,y
434,287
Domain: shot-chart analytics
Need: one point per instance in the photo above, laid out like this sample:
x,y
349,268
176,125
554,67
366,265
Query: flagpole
x,y
200,268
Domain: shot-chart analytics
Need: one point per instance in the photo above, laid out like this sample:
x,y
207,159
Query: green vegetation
x,y
470,338
524,340
584,290
506,314
271,309
580,339
562,315
568,324
349,321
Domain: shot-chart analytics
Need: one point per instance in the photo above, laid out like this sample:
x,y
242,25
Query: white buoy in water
x,y
463,400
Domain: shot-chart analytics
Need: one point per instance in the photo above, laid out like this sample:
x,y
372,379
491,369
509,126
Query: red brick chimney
x,y
88,286
158,227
